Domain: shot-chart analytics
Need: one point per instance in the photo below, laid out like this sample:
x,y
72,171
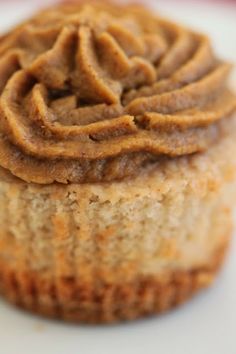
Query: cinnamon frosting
x,y
92,93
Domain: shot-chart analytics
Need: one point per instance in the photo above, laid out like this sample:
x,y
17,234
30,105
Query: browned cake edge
x,y
109,303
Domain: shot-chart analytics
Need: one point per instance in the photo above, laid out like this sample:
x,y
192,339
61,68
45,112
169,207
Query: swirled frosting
x,y
92,93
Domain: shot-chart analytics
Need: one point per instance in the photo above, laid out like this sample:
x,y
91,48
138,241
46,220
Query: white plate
x,y
205,325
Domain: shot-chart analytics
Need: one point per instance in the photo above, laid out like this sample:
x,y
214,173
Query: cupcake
x,y
117,163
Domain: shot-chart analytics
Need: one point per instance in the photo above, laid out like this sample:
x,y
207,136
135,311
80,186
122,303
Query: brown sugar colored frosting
x,y
92,94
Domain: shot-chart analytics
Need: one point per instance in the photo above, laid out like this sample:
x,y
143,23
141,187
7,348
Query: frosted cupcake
x,y
117,155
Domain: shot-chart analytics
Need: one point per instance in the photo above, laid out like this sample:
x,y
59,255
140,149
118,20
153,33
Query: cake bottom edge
x,y
71,301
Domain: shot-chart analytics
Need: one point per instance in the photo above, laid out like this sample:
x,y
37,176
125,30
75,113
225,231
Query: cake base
x,y
106,252
110,303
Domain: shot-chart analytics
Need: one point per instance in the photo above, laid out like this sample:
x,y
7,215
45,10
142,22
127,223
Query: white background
x,y
207,324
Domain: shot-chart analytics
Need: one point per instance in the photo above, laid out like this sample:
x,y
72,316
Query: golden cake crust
x,y
111,302
94,93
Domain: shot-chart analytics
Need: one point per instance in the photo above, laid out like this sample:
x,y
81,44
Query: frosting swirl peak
x,y
91,93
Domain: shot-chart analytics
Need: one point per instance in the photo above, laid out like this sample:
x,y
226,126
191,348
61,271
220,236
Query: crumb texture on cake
x,y
91,252
92,93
